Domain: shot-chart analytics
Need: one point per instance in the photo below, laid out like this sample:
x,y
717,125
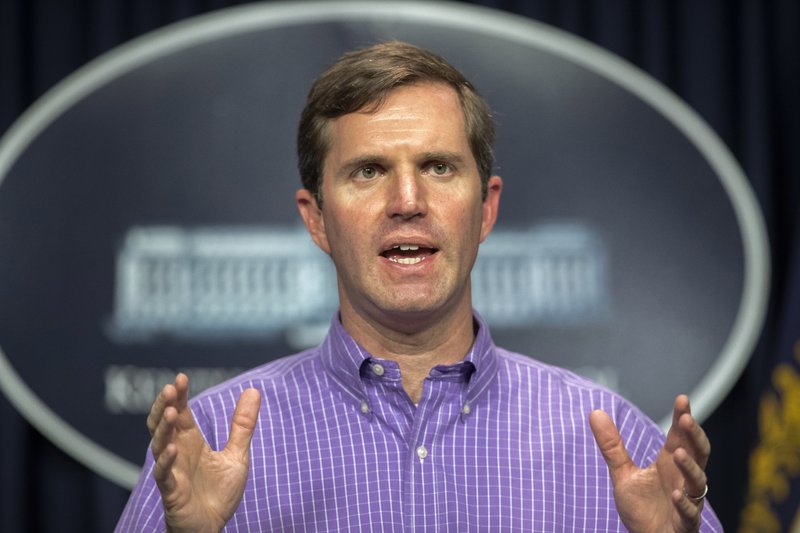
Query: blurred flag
x,y
773,498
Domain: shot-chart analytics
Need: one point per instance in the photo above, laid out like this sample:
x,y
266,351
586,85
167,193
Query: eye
x,y
367,173
440,169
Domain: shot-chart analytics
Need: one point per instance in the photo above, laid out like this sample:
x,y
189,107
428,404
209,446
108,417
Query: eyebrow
x,y
448,157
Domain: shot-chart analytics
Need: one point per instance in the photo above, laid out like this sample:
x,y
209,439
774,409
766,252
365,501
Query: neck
x,y
415,345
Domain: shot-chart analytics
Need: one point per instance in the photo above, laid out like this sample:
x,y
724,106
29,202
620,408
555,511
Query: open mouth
x,y
408,254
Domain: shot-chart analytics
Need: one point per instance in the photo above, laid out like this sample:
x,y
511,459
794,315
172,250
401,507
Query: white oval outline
x,y
708,393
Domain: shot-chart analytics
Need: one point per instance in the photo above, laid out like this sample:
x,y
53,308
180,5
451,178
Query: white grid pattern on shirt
x,y
523,459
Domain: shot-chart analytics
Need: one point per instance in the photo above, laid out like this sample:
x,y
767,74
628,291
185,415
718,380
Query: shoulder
x,y
557,391
521,369
275,373
285,381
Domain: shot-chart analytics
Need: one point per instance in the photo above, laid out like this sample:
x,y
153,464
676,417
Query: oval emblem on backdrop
x,y
147,222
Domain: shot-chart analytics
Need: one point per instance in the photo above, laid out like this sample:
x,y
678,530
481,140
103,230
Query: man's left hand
x,y
667,495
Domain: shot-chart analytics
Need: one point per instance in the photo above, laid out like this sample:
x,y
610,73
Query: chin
x,y
408,307
415,305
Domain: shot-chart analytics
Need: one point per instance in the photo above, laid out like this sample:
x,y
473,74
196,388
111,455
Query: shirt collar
x,y
483,356
343,358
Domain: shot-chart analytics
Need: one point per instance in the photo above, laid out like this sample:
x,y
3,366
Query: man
x,y
407,417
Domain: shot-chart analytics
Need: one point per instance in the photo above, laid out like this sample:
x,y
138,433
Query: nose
x,y
407,196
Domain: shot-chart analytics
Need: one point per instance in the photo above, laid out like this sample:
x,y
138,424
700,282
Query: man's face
x,y
402,212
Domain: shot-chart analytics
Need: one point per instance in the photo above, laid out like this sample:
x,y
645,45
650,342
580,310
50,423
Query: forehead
x,y
426,112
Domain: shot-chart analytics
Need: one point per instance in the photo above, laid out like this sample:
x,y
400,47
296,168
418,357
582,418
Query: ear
x,y
312,217
491,205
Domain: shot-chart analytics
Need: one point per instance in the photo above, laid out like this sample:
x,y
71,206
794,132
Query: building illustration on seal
x,y
259,282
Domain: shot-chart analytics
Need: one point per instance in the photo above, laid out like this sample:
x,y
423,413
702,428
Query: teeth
x,y
408,260
407,247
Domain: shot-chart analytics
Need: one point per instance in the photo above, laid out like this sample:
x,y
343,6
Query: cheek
x,y
343,233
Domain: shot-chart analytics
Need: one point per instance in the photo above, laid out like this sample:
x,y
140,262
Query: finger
x,y
694,478
185,417
182,388
244,422
176,393
680,407
164,433
167,396
610,444
689,512
686,433
162,471
695,440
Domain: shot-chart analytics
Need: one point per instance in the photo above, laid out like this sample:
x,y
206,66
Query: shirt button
x,y
422,452
466,409
364,407
377,370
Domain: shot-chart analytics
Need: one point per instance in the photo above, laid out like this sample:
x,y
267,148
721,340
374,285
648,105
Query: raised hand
x,y
200,488
668,494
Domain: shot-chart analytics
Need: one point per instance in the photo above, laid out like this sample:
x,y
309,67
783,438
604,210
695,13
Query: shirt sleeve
x,y
144,511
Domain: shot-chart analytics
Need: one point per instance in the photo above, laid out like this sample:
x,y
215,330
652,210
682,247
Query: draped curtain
x,y
736,62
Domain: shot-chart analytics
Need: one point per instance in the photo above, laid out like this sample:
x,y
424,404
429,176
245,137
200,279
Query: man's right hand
x,y
200,488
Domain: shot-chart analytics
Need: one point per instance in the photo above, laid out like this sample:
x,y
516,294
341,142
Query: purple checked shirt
x,y
498,442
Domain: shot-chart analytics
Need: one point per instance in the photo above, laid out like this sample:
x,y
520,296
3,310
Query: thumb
x,y
244,422
610,444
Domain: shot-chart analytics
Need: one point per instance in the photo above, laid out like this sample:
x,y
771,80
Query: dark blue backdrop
x,y
737,63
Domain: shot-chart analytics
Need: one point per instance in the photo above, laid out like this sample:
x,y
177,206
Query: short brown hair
x,y
362,79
